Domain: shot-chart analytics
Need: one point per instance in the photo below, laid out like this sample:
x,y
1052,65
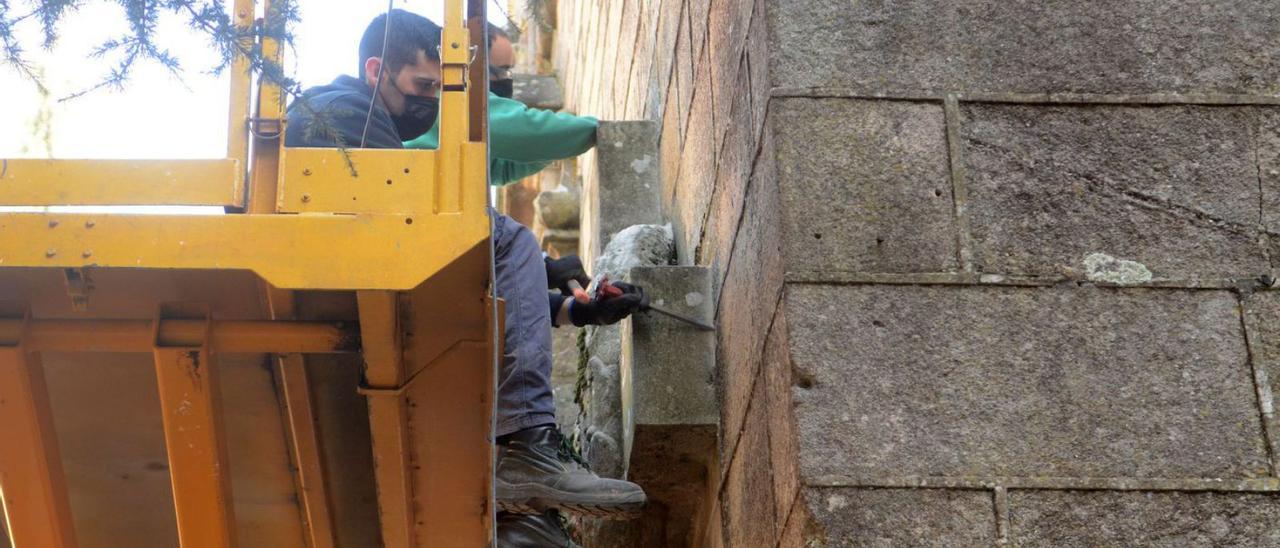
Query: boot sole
x,y
535,498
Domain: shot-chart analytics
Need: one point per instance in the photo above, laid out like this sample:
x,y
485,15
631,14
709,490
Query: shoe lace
x,y
565,450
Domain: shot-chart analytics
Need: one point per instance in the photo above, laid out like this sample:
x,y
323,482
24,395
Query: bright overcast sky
x,y
156,115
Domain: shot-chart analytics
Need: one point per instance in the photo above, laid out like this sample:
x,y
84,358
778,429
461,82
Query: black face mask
x,y
503,88
419,115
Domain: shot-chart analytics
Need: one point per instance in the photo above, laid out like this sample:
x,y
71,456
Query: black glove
x,y
609,310
560,271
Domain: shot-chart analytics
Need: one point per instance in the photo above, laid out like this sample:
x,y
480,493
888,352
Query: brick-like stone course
x,y
1102,518
1175,188
729,193
1041,382
865,186
687,207
748,298
748,508
898,517
1139,46
873,177
1262,320
776,377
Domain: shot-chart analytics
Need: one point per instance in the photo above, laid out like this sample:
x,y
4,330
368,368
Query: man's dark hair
x,y
409,33
495,31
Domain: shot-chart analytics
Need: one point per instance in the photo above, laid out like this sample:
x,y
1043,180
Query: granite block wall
x,y
987,272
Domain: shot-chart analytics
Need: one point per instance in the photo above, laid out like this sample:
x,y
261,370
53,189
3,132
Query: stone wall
x,y
699,70
988,272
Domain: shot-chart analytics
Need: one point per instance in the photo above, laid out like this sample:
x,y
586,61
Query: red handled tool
x,y
606,291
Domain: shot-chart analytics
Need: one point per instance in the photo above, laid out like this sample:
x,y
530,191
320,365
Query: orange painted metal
x,y
388,416
195,441
32,481
304,440
228,337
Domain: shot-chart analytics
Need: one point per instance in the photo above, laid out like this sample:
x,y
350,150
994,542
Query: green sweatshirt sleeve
x,y
520,137
523,134
505,172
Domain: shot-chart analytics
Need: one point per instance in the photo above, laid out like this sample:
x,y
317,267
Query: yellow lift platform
x,y
313,368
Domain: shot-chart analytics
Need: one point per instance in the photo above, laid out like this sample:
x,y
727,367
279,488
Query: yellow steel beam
x,y
121,182
300,419
318,180
388,414
238,106
268,135
313,489
196,442
289,251
31,477
452,400
386,251
225,336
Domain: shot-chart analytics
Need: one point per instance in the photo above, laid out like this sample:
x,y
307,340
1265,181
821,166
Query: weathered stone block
x,y
683,72
732,174
671,144
699,18
560,208
746,302
1130,518
758,65
638,83
619,69
792,536
1262,321
668,367
783,453
1268,146
969,381
608,59
1141,46
1174,188
626,189
898,517
664,54
687,208
538,91
865,186
748,504
726,40
635,246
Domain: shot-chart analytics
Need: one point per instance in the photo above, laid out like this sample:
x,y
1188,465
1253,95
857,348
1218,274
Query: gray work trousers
x,y
524,379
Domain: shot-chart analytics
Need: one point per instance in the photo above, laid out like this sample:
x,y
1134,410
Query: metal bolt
x,y
87,253
89,224
50,252
306,171
306,198
454,45
53,223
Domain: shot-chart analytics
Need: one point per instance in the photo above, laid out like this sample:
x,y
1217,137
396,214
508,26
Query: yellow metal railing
x,y
407,234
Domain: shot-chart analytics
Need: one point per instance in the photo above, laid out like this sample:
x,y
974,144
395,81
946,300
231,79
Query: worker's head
x,y
410,81
502,57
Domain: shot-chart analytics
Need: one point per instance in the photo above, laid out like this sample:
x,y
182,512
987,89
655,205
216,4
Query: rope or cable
x,y
382,68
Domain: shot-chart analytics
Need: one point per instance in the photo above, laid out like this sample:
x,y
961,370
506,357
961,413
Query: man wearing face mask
x,y
522,140
395,99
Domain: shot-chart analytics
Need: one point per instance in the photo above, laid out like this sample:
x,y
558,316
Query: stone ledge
x,y
1037,98
668,367
627,186
1014,381
1253,485
1007,280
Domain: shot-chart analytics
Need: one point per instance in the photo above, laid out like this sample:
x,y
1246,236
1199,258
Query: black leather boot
x,y
532,531
538,470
